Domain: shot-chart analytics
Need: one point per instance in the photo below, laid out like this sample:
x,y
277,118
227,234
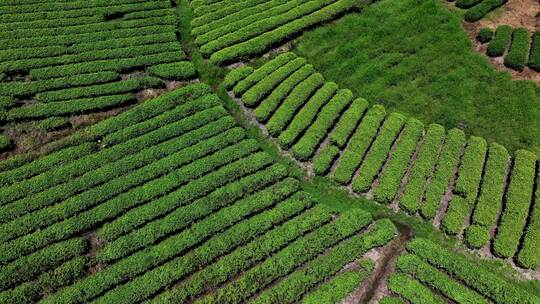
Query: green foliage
x,y
412,290
487,103
378,153
235,75
490,200
454,218
484,35
529,255
444,171
175,71
315,134
479,11
348,122
534,57
519,197
470,170
323,161
307,114
358,144
518,54
422,168
486,283
465,4
501,41
267,107
397,164
54,123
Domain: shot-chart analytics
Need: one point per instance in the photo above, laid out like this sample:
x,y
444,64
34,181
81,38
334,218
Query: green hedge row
x,y
199,10
85,28
54,123
292,103
93,161
32,291
412,290
490,200
60,22
294,286
479,11
180,218
286,260
235,75
25,88
488,284
518,54
324,160
534,57
204,24
484,35
246,256
114,64
518,198
529,255
432,277
222,235
60,6
261,26
465,4
454,218
262,72
359,144
218,245
115,186
307,114
45,163
267,107
470,170
75,13
30,266
500,42
444,171
220,29
205,17
265,40
340,286
397,164
348,122
69,107
378,152
113,88
256,93
5,142
175,71
89,56
35,42
182,111
112,208
316,133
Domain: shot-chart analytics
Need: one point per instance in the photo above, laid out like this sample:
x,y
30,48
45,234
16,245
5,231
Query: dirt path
x,y
374,287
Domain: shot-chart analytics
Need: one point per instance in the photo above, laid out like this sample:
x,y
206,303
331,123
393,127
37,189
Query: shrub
x,y
54,123
267,107
518,200
359,143
519,50
500,42
491,195
534,58
446,166
479,11
529,255
412,290
315,134
348,122
175,71
378,152
323,161
234,76
465,4
296,99
397,164
307,114
470,171
484,35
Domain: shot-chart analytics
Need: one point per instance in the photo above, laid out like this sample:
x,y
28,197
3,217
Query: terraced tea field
x,y
138,168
